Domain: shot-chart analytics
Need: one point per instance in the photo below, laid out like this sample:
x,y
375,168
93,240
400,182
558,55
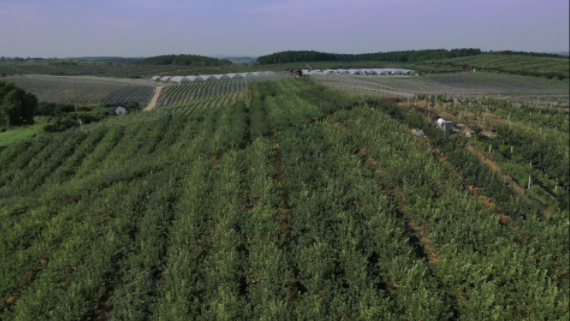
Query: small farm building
x,y
120,110
444,125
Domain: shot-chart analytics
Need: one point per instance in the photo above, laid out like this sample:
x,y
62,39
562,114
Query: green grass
x,y
20,133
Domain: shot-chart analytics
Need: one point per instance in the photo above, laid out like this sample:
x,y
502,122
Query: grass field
x,y
18,134
300,201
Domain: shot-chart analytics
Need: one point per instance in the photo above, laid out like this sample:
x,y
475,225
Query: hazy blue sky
x,y
247,27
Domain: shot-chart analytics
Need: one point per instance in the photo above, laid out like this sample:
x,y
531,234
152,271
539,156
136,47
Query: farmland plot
x,y
303,202
183,94
457,84
83,90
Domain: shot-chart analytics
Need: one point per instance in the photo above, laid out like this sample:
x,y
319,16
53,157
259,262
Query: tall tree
x,y
17,107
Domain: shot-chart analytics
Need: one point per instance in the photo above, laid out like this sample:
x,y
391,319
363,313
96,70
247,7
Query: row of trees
x,y
528,53
397,56
184,60
17,107
394,56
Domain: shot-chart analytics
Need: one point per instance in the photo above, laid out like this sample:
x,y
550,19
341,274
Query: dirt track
x,y
154,100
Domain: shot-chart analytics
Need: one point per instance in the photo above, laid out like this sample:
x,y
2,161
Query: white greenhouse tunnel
x,y
375,71
202,78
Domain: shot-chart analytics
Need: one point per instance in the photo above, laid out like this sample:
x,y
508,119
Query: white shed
x,y
443,124
120,110
155,78
165,78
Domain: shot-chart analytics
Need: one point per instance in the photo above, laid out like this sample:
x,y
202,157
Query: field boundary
x,y
154,100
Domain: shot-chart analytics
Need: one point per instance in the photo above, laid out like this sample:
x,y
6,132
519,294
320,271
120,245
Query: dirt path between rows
x,y
154,100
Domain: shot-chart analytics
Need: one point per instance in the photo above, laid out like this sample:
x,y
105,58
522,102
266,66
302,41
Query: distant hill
x,y
123,60
236,59
241,60
395,56
184,60
413,56
561,53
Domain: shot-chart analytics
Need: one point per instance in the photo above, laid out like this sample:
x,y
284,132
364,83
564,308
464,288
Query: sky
x,y
142,28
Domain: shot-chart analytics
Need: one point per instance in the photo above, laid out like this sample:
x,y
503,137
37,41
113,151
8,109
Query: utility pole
x,y
77,115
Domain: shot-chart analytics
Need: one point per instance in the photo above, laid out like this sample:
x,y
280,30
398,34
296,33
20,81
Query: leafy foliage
x,y
17,107
302,203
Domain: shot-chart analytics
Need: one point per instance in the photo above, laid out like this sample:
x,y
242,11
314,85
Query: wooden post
x,y
529,181
490,147
512,149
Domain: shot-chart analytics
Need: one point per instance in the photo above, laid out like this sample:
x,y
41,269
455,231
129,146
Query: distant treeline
x,y
527,53
394,56
184,60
